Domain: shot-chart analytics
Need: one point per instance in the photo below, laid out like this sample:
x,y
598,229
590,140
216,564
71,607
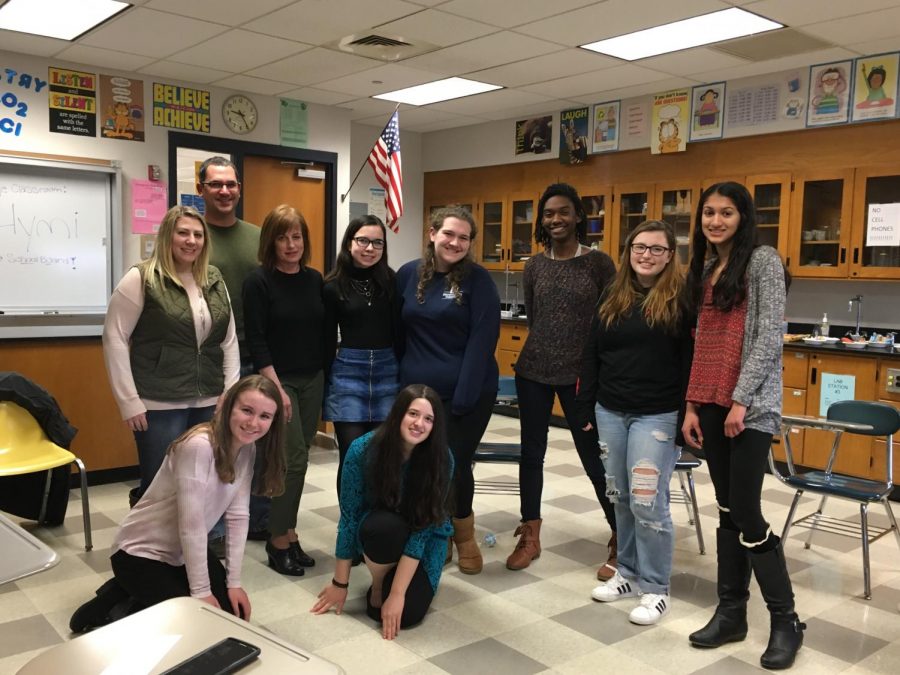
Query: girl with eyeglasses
x,y
734,410
361,300
561,286
450,310
283,315
635,369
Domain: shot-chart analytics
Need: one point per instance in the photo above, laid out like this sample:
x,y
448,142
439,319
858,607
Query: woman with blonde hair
x,y
160,551
450,310
635,369
283,324
169,340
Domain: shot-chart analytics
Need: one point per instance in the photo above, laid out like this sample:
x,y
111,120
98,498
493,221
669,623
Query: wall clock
x,y
240,114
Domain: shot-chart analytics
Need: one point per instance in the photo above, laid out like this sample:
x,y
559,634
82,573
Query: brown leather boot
x,y
529,546
468,555
608,570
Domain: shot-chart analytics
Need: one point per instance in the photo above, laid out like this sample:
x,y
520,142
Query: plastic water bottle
x,y
823,327
490,540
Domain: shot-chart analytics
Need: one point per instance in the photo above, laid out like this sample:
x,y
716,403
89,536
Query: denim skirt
x,y
362,385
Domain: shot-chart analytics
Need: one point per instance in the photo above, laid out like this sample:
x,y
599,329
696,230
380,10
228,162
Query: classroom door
x,y
270,181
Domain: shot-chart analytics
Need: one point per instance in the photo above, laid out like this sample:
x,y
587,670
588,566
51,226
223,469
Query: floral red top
x,y
718,345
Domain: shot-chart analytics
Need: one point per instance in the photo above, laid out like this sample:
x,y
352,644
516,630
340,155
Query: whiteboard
x,y
56,247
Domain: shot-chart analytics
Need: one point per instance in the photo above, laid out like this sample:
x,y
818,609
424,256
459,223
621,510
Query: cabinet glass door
x,y
771,196
492,232
595,205
822,226
632,211
521,241
676,208
876,226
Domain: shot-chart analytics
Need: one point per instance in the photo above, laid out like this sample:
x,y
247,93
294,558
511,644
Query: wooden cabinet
x,y
631,205
506,224
597,201
795,370
772,198
674,202
820,224
855,456
873,186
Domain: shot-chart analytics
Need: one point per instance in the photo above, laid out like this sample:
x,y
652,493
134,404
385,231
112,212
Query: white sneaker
x,y
653,607
614,589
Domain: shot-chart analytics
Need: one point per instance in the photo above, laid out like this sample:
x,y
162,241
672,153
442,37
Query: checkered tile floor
x,y
540,620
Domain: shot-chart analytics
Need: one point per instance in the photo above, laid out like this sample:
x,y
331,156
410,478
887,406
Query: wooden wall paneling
x,y
73,371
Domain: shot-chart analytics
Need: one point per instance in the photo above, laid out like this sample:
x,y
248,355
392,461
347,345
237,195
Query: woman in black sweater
x,y
360,298
283,315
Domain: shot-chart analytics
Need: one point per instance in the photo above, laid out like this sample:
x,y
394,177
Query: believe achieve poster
x,y
180,107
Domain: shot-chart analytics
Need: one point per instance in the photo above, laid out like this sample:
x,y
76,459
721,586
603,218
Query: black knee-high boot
x,y
729,623
786,635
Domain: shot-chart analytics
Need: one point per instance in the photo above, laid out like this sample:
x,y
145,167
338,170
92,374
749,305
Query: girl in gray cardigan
x,y
734,409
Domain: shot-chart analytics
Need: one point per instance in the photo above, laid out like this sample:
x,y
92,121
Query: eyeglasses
x,y
364,242
218,184
656,251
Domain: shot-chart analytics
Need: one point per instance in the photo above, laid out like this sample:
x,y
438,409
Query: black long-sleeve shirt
x,y
283,315
633,368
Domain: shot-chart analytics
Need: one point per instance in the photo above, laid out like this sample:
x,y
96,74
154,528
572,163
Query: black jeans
x,y
535,408
464,433
383,535
152,581
737,466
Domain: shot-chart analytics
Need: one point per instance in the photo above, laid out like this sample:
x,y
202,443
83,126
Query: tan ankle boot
x,y
608,570
529,546
468,554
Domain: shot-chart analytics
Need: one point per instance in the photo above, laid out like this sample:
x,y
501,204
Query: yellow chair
x,y
25,448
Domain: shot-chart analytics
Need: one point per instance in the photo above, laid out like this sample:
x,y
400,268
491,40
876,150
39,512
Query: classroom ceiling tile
x,y
21,43
802,61
318,22
638,90
238,50
481,53
182,72
370,107
804,12
228,12
509,13
313,95
103,58
379,80
690,61
891,44
313,66
859,28
449,123
436,27
255,85
492,101
149,33
541,68
611,78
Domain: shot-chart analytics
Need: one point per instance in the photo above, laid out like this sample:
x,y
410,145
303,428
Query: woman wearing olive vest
x,y
169,340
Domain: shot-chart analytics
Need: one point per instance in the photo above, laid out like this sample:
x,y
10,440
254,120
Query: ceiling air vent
x,y
772,45
381,47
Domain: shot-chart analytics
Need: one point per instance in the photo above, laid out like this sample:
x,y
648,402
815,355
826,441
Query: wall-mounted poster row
x,y
861,90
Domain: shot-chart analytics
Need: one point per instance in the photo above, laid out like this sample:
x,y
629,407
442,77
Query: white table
x,y
23,554
166,634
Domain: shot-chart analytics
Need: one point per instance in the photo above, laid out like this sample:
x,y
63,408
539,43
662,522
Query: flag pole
x,y
366,160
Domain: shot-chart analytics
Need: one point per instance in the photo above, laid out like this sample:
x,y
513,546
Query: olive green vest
x,y
166,362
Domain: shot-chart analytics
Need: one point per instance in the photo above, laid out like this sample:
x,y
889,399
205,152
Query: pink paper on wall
x,y
149,203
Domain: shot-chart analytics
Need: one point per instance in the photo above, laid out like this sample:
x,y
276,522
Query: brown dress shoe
x,y
529,546
608,570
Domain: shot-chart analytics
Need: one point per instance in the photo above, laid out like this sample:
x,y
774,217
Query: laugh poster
x,y
574,126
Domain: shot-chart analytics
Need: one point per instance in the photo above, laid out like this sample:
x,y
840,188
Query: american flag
x,y
385,160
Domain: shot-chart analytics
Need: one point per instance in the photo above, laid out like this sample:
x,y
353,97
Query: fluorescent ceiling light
x,y
672,37
62,19
441,90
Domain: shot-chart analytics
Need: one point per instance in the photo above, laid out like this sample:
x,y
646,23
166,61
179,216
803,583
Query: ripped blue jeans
x,y
639,454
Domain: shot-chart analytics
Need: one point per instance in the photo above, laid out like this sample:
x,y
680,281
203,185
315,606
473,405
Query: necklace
x,y
364,288
577,253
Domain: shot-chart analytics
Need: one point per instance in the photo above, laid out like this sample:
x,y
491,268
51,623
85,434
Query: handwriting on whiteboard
x,y
29,226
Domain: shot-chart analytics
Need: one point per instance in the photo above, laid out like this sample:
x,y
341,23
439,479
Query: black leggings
x,y
345,433
383,535
535,408
464,433
150,582
736,466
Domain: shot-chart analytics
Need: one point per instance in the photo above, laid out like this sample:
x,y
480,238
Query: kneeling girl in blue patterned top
x,y
394,511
